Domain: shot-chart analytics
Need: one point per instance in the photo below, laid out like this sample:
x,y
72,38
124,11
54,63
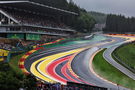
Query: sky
x,y
124,7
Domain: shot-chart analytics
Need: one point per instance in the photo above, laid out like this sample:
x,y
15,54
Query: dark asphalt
x,y
80,64
51,51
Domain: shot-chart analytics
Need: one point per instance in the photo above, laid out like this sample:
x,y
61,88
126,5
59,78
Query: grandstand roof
x,y
32,6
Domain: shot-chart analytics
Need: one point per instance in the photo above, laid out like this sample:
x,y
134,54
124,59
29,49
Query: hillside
x,y
99,17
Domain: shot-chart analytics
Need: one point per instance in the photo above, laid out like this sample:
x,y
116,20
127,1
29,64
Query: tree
x,y
13,81
85,22
119,24
100,18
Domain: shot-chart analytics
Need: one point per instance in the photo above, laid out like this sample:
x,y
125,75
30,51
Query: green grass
x,y
127,54
14,63
107,71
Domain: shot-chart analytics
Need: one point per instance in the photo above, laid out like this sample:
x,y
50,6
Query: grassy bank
x,y
127,54
107,71
14,63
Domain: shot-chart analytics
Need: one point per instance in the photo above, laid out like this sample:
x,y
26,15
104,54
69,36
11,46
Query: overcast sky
x,y
124,7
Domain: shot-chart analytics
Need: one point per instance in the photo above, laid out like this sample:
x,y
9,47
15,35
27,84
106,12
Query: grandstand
x,y
32,21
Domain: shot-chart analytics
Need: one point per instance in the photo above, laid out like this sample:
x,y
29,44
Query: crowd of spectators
x,y
36,19
6,46
42,23
71,86
57,87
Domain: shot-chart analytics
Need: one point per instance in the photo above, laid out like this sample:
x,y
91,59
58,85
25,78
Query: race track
x,y
71,63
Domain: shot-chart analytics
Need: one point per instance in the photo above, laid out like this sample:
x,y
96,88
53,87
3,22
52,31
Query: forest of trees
x,y
84,22
119,24
99,17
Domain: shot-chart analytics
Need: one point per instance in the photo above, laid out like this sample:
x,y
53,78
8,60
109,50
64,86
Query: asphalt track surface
x,y
71,63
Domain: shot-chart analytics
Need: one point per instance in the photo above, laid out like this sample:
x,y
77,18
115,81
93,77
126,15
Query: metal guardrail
x,y
84,86
123,63
33,32
38,26
119,59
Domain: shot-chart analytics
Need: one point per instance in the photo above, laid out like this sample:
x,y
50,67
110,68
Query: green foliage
x,y
4,67
107,71
99,17
30,82
10,80
73,7
14,63
127,54
85,22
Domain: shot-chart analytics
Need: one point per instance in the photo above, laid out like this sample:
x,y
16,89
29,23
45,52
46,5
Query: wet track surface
x,y
70,63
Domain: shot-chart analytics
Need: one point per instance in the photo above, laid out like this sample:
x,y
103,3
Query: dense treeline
x,y
99,17
84,22
119,24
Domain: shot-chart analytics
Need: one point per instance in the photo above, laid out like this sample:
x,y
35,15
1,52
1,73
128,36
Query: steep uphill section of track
x,y
37,64
53,65
51,51
80,65
45,68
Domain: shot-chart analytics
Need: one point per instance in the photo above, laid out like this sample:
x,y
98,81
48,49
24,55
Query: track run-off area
x,y
73,63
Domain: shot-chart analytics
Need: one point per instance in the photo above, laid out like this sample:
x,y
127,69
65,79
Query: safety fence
x,y
69,86
117,58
